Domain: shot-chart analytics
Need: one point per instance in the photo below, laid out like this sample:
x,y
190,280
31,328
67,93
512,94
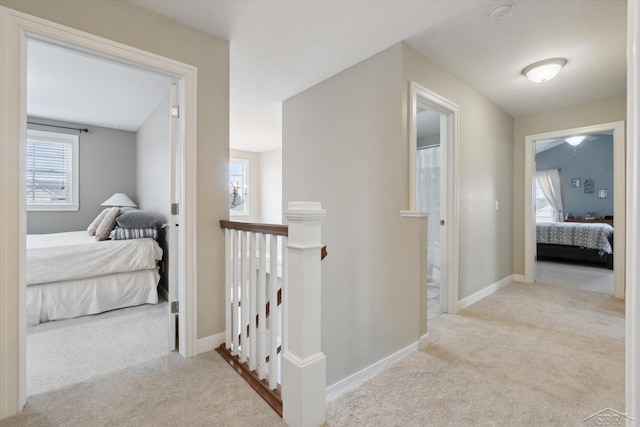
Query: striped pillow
x,y
133,233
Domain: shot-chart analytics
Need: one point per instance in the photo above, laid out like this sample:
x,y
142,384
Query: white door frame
x,y
15,28
449,171
619,214
632,355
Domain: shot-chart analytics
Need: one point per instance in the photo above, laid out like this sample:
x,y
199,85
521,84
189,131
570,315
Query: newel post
x,y
303,363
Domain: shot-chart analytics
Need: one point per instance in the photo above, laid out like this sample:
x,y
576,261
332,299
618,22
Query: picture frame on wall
x,y
603,193
575,183
588,186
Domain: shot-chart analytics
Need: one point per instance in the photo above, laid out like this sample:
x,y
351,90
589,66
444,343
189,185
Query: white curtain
x,y
549,182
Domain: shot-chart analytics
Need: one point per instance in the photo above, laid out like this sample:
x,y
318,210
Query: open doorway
x,y
84,319
13,127
591,196
433,141
428,199
574,204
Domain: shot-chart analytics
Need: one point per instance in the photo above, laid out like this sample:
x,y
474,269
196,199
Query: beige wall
x,y
485,175
134,26
343,147
345,144
612,110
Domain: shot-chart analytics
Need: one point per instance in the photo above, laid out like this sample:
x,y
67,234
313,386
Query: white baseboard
x,y
424,341
472,299
518,278
342,386
209,343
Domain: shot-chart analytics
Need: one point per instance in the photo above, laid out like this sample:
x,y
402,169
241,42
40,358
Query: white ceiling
x,y
280,48
73,87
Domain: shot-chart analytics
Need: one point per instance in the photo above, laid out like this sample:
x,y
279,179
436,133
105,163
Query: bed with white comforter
x,y
71,275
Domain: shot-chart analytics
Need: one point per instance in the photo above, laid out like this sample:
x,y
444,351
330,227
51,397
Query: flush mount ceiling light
x,y
501,12
575,140
542,71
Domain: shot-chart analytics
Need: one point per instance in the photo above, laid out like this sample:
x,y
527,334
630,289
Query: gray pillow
x,y
138,219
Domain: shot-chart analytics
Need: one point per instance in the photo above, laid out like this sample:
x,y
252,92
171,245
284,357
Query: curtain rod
x,y
61,127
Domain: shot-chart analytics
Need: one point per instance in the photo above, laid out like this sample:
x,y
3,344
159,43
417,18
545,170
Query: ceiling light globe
x,y
575,140
543,71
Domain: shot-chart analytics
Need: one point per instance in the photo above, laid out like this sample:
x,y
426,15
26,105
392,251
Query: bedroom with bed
x,y
574,200
95,257
98,182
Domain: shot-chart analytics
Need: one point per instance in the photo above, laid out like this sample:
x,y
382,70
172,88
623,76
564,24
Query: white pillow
x,y
108,223
96,222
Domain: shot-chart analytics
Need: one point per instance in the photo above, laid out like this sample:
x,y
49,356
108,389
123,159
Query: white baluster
x,y
228,285
244,291
253,294
236,292
273,313
261,334
283,313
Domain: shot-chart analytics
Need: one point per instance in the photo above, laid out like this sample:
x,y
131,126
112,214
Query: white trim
x,y
424,341
335,390
414,214
472,299
14,29
619,213
207,344
632,355
518,278
449,169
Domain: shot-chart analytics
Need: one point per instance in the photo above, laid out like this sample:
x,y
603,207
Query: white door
x,y
173,233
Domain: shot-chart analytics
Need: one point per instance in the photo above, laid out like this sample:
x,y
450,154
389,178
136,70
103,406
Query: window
x,y
238,180
544,211
52,171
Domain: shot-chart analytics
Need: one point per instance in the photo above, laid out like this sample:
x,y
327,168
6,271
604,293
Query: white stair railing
x,y
255,261
273,301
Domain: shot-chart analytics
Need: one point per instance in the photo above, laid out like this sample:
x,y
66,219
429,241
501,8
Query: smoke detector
x,y
501,12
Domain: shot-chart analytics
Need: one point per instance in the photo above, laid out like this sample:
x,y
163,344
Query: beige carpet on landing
x,y
528,355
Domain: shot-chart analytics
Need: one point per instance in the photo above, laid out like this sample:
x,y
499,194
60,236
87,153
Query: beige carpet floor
x,y
71,351
528,355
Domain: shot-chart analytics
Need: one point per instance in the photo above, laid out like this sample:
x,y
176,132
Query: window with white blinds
x,y
52,171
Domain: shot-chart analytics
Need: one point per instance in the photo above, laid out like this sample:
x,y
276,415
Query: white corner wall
x,y
153,162
271,186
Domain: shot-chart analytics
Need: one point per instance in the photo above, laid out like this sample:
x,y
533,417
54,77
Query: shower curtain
x,y
428,199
